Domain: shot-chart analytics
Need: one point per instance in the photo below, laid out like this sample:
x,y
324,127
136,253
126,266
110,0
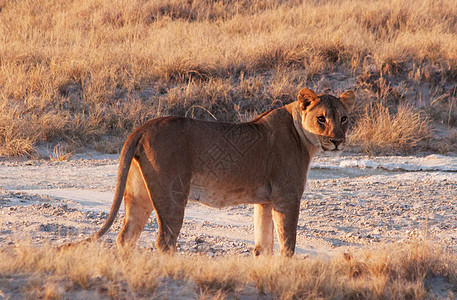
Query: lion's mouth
x,y
331,150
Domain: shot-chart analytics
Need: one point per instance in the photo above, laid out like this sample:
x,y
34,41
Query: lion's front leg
x,y
285,218
263,229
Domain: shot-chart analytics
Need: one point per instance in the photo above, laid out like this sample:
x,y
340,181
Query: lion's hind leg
x,y
263,229
138,208
169,206
169,192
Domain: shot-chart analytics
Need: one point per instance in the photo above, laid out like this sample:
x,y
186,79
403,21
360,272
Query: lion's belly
x,y
216,196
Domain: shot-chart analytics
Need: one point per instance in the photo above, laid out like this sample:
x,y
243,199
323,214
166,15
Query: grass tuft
x,y
380,131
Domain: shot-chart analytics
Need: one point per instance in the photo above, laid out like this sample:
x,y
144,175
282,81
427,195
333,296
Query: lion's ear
x,y
305,97
348,100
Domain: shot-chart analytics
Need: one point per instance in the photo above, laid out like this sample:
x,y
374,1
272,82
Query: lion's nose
x,y
336,142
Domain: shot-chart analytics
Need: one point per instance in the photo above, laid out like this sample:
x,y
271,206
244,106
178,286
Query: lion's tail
x,y
127,154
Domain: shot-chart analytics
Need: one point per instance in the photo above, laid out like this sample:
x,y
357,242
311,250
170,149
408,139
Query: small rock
x,y
44,205
199,240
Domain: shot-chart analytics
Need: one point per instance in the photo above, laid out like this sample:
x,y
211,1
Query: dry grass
x,y
380,131
408,271
82,72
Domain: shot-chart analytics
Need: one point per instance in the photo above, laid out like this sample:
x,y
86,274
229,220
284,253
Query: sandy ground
x,y
350,201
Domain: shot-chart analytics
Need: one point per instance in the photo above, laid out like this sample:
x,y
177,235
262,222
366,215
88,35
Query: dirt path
x,y
349,202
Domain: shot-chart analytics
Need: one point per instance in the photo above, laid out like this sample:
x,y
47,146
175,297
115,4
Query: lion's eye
x,y
321,119
344,119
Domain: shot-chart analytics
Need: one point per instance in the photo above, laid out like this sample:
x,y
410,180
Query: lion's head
x,y
324,118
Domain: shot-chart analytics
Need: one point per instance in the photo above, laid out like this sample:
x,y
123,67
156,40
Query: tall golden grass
x,y
396,271
379,130
87,72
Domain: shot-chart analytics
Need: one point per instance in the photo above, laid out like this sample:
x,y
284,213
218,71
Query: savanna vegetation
x,y
409,271
77,74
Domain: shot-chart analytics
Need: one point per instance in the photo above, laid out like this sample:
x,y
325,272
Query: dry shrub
x,y
295,278
214,276
17,136
378,130
60,152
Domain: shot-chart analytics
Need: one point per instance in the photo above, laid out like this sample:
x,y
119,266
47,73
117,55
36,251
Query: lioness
x,y
169,160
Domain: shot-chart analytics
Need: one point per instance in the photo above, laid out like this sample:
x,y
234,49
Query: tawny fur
x,y
265,162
